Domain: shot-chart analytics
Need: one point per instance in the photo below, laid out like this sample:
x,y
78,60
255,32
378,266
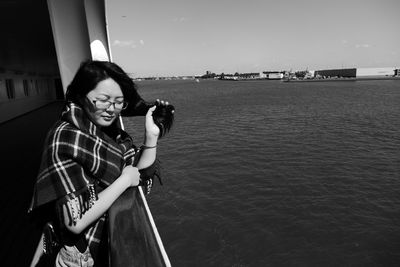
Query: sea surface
x,y
268,173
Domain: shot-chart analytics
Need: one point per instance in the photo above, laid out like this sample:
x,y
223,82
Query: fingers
x,y
132,175
152,108
164,103
149,114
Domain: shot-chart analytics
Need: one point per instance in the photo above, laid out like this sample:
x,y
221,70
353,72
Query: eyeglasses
x,y
105,104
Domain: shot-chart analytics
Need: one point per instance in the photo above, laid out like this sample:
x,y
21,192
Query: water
x,y
267,173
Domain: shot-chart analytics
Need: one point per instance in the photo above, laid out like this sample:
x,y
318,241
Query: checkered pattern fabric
x,y
79,157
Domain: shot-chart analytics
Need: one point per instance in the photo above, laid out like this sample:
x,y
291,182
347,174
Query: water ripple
x,y
279,174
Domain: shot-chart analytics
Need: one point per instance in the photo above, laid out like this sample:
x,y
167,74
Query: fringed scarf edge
x,y
77,204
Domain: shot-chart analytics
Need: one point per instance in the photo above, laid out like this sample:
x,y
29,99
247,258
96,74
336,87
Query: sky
x,y
190,37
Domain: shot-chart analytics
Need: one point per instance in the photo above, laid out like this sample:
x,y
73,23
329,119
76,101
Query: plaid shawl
x,y
79,157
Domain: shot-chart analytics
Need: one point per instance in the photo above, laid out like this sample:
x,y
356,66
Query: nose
x,y
111,108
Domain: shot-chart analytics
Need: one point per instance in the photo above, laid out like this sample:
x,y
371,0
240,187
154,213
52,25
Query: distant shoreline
x,y
353,79
343,79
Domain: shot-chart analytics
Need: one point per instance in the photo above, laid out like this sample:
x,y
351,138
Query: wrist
x,y
125,180
143,147
150,141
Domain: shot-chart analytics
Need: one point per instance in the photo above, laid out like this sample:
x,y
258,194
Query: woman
x,y
88,162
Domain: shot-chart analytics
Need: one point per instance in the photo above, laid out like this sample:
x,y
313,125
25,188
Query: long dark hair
x,y
91,72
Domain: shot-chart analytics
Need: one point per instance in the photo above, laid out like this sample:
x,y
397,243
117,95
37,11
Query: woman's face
x,y
103,103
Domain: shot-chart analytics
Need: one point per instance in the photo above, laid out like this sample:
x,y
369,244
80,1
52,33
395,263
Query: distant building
x,y
356,72
272,75
338,73
250,75
375,72
228,77
209,75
